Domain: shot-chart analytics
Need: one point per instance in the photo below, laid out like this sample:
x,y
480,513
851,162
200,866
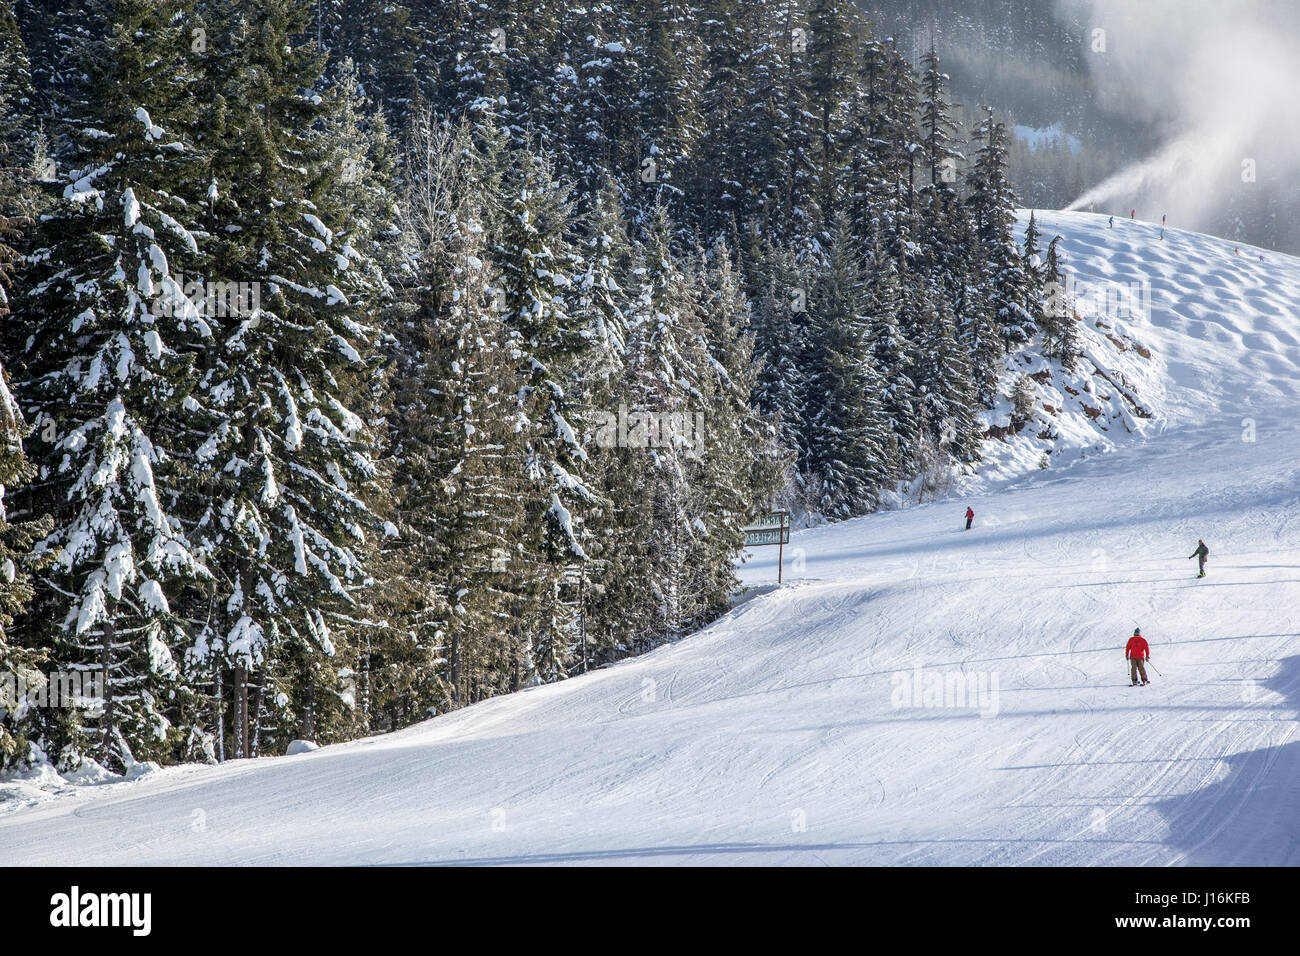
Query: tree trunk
x,y
255,745
219,710
241,712
106,667
309,715
455,668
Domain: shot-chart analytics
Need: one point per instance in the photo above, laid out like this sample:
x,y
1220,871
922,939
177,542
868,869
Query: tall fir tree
x,y
845,446
106,362
286,466
993,206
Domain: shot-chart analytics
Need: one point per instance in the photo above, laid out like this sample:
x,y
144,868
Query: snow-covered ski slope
x,y
789,732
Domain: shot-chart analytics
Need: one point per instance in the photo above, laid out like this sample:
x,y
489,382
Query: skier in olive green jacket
x,y
1201,551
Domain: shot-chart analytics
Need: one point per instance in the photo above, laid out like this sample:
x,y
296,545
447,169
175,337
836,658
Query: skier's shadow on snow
x,y
1251,817
1227,584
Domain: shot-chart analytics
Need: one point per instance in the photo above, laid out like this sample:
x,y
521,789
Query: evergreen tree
x,y
1059,322
18,664
106,364
536,263
892,354
286,467
779,294
664,366
16,661
945,393
377,35
457,425
993,206
845,447
833,61
937,126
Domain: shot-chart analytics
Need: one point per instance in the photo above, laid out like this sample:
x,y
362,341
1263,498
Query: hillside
x,y
789,732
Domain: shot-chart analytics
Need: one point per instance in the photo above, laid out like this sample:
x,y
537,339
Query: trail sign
x,y
771,528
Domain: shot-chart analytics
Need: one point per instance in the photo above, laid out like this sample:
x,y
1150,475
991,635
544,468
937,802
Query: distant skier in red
x,y
1137,653
1132,213
970,516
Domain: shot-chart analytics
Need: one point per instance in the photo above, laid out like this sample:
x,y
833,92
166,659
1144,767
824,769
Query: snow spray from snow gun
x,y
1155,173
1174,177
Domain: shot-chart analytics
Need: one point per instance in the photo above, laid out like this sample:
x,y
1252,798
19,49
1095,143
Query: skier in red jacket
x,y
970,516
1137,652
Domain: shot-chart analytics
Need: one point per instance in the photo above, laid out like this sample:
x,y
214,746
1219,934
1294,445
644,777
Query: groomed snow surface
x,y
834,720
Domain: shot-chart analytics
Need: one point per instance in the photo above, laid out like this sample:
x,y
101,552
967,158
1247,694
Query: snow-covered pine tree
x,y
881,177
951,257
798,215
719,180
667,98
105,368
1060,322
15,83
1022,401
937,126
600,300
18,664
470,43
892,355
17,189
993,205
834,37
664,367
457,441
754,144
16,539
376,35
944,388
287,468
1033,268
845,450
54,31
740,467
968,284
597,387
778,292
536,263
605,131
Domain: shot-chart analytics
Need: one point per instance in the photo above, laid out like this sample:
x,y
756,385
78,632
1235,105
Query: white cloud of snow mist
x,y
1218,80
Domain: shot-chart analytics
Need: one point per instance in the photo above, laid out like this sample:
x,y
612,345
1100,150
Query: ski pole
x,y
1153,667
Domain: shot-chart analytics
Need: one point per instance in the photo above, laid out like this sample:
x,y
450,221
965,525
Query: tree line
x,y
367,359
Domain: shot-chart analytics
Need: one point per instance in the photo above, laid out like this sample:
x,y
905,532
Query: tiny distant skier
x,y
1137,653
1162,219
970,516
1111,223
1132,213
1201,552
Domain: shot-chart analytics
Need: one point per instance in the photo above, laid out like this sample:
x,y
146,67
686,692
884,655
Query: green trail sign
x,y
771,528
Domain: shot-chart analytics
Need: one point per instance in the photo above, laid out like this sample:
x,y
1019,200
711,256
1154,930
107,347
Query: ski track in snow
x,y
772,736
